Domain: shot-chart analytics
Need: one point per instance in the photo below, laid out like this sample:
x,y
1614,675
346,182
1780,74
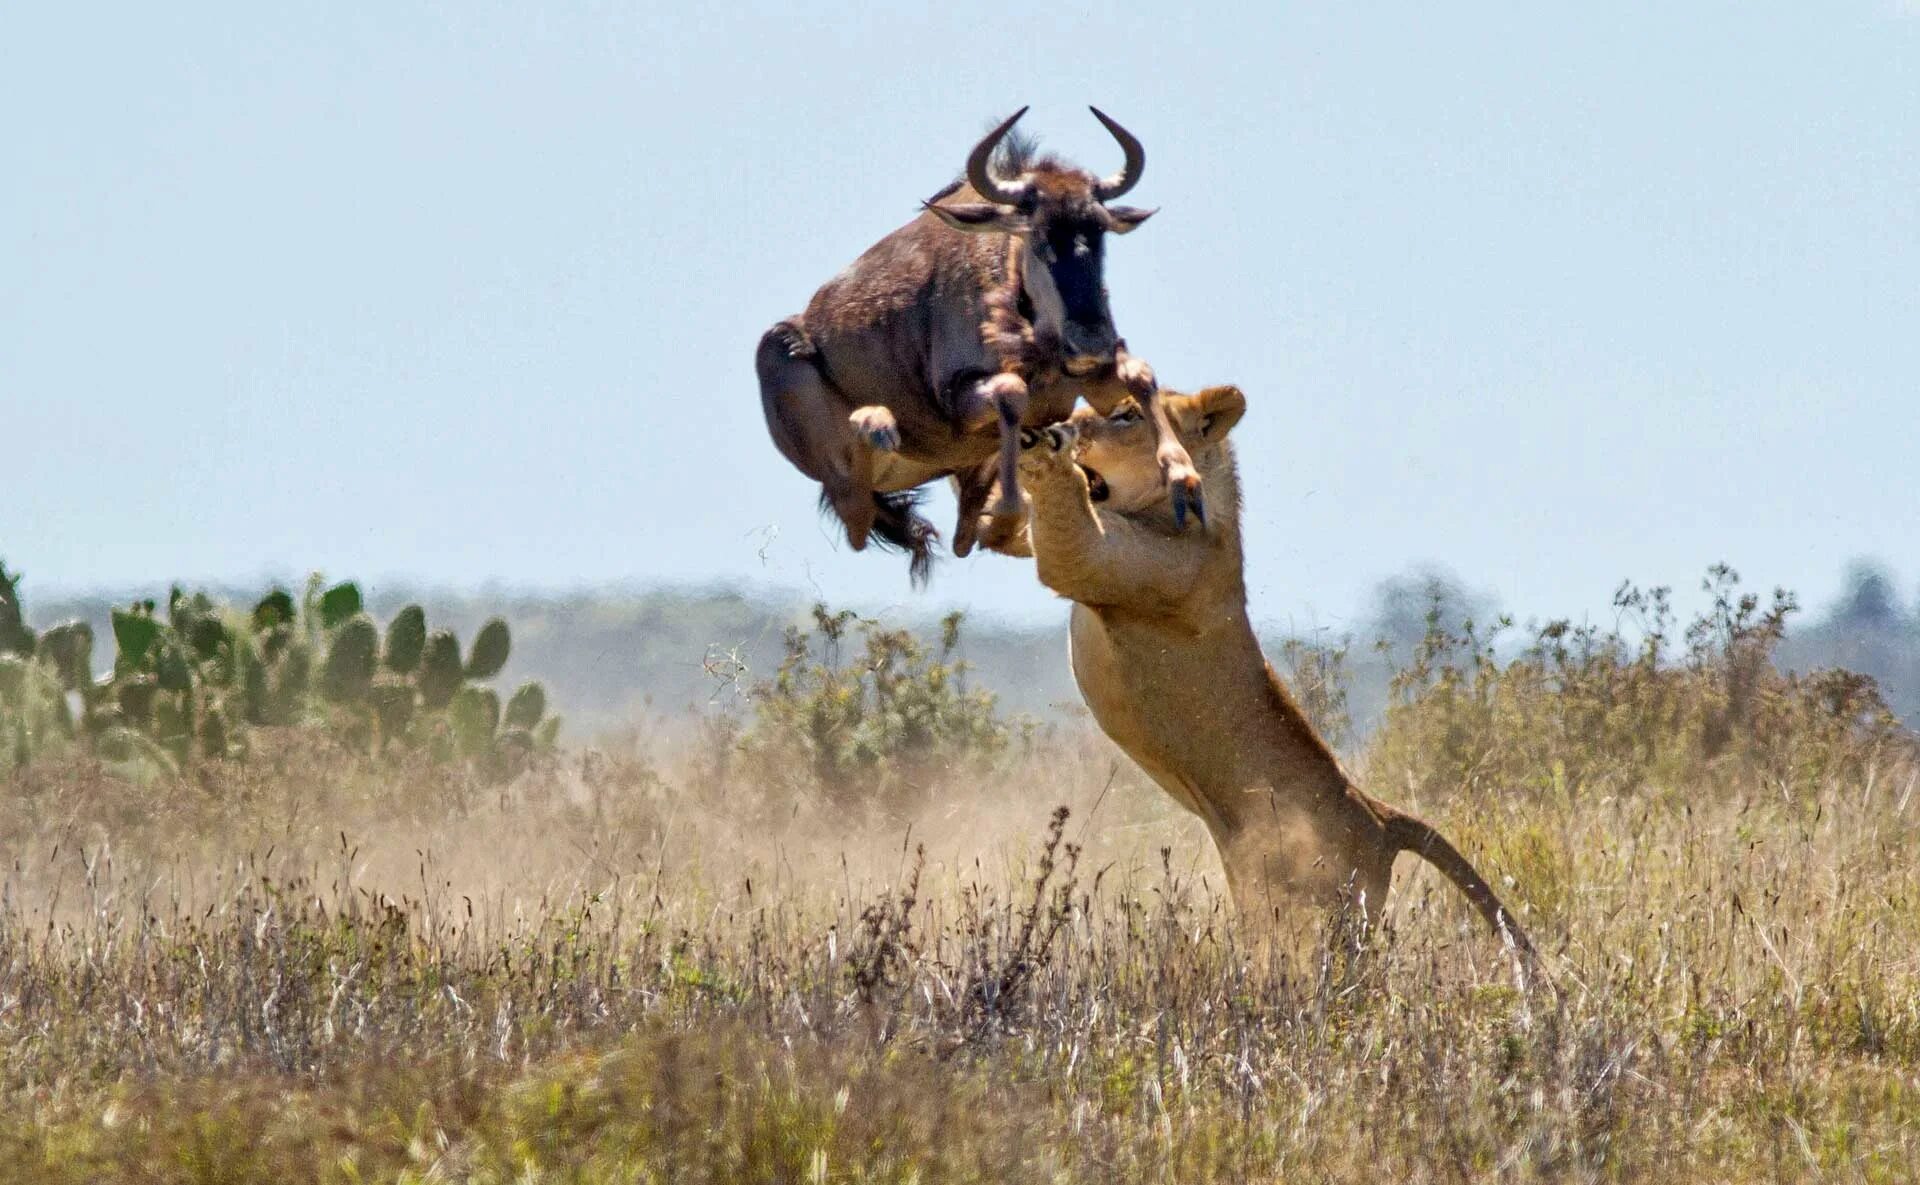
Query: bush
x,y
1583,709
195,685
875,728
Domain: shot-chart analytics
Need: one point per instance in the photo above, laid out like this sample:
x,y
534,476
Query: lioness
x,y
1160,621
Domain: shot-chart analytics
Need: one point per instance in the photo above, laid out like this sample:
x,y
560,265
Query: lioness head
x,y
1117,453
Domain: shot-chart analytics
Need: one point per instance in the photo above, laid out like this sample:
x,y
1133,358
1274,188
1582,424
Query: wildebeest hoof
x,y
1001,530
1186,498
1183,485
1136,376
876,425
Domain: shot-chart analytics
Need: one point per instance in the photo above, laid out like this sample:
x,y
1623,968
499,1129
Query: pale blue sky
x,y
1554,296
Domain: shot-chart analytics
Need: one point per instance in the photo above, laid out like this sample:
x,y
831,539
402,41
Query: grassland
x,y
849,937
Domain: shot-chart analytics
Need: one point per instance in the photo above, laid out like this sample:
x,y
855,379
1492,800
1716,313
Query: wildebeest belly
x,y
893,472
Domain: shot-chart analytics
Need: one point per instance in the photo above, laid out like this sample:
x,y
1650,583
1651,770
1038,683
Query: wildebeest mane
x,y
1018,151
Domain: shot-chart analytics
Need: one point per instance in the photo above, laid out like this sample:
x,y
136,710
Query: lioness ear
x,y
978,217
1219,408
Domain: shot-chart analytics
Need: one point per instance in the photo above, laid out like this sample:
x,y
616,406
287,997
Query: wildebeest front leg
x,y
1008,394
1176,467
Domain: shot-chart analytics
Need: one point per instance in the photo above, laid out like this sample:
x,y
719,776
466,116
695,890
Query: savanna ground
x,y
843,933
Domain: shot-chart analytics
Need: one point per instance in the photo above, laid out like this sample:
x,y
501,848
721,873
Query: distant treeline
x,y
611,658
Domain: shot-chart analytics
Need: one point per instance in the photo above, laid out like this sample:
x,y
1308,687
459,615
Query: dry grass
x,y
634,966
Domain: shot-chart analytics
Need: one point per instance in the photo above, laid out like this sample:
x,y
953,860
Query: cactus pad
x,y
406,638
526,707
439,670
350,660
475,716
338,604
490,649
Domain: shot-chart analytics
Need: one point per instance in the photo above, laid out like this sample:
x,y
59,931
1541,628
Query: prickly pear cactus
x,y
491,646
528,704
475,717
394,706
189,686
69,650
440,673
34,717
274,609
339,603
351,659
406,639
15,637
135,634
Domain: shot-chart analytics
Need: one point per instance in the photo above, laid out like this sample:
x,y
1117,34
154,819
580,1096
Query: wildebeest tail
x,y
897,524
1411,834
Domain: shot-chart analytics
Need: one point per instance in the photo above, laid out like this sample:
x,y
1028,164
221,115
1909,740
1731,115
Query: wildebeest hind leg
x,y
971,490
850,492
807,419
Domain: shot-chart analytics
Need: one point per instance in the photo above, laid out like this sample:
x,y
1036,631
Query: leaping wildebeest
x,y
924,358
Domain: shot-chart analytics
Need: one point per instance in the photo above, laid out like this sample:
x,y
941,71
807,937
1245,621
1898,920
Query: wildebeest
x,y
924,358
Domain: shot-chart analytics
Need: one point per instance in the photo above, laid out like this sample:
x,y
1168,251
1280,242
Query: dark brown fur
x,y
924,358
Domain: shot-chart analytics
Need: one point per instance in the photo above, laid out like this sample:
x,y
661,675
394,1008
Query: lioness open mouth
x,y
1096,485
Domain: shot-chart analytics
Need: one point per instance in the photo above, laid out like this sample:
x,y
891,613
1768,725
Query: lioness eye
x,y
1125,415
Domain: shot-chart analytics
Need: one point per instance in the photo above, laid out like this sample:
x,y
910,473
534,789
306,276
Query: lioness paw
x,y
1050,455
1056,438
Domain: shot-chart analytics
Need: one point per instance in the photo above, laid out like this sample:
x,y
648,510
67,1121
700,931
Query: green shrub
x,y
1581,709
192,686
872,723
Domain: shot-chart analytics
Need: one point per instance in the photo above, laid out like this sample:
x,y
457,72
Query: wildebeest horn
x,y
1129,174
981,177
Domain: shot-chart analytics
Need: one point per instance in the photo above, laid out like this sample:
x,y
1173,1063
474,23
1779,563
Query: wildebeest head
x,y
1061,217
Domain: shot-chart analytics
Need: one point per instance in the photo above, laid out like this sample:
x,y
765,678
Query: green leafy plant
x,y
196,683
1579,708
872,726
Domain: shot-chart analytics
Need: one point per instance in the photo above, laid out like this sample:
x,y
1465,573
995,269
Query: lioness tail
x,y
1411,834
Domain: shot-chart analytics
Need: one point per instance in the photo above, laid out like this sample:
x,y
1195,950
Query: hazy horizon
x,y
1552,298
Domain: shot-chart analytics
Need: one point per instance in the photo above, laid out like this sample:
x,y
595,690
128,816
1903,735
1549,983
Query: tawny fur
x,y
1169,664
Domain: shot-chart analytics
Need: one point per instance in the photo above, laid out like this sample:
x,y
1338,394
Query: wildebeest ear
x,y
1219,409
978,217
1121,219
